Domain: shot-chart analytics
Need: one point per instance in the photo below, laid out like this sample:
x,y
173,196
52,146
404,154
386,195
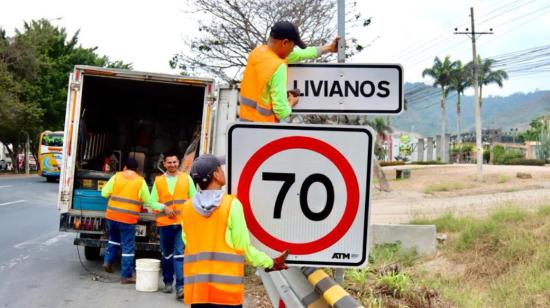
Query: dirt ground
x,y
438,189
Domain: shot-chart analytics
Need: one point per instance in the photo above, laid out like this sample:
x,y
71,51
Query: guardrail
x,y
305,287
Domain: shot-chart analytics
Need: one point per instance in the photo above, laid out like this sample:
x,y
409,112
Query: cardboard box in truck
x,y
115,114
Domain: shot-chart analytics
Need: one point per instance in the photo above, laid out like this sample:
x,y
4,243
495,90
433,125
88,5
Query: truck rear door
x,y
72,121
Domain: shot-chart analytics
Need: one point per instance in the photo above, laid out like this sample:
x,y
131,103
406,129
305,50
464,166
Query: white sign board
x,y
347,88
304,188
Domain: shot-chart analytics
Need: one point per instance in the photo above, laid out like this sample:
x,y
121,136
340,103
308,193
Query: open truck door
x,y
114,114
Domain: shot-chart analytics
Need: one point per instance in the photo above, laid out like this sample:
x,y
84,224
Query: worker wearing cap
x,y
168,194
217,241
126,191
264,96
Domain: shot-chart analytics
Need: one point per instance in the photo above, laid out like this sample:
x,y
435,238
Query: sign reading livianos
x,y
304,188
347,88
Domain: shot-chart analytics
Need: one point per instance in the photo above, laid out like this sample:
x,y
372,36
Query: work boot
x,y
108,267
167,288
179,295
128,280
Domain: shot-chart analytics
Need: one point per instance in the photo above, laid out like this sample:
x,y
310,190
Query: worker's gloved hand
x,y
293,92
279,262
169,212
331,47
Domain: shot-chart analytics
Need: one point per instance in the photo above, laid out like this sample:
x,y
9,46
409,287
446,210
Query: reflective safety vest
x,y
175,202
262,63
125,204
212,270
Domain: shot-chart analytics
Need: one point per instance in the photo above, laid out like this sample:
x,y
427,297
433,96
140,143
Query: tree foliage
x,y
486,75
230,29
34,69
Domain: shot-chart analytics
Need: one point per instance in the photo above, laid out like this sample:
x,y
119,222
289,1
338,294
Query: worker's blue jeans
x,y
171,246
121,237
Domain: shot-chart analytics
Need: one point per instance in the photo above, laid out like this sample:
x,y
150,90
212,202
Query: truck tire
x,y
50,179
91,253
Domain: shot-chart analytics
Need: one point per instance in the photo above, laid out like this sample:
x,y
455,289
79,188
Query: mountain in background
x,y
504,112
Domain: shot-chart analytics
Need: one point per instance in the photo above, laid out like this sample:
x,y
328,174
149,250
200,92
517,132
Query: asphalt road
x,y
40,267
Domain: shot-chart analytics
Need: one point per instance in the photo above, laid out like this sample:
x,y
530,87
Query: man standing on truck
x,y
264,96
126,191
168,194
217,241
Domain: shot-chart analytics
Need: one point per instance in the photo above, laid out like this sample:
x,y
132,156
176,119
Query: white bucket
x,y
147,275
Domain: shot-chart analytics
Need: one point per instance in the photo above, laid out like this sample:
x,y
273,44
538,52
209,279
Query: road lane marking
x,y
12,202
5,186
36,240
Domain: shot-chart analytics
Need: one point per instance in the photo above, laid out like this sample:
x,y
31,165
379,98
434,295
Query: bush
x,y
525,162
391,163
502,156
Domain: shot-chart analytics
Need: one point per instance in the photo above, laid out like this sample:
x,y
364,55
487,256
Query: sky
x,y
411,33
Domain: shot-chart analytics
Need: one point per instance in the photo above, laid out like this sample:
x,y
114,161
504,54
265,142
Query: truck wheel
x,y
50,179
91,253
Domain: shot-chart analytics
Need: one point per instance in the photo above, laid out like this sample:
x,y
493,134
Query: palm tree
x,y
459,82
486,76
382,129
441,73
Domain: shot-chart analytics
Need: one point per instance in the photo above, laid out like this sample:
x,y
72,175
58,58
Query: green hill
x,y
505,112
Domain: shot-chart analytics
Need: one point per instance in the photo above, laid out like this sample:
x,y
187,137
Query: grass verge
x,y
502,260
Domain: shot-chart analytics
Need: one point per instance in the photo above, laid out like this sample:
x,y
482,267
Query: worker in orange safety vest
x,y
127,191
217,241
264,96
168,194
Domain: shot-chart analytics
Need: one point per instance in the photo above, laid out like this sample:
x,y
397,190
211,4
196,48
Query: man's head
x,y
171,162
283,37
131,164
207,172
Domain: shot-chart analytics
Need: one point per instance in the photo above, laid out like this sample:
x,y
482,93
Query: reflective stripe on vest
x,y
260,66
252,104
124,205
175,201
213,278
214,256
213,271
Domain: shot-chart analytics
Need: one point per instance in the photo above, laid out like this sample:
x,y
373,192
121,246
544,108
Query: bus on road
x,y
50,154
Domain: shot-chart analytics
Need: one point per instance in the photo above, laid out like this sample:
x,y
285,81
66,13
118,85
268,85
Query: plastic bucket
x,y
147,275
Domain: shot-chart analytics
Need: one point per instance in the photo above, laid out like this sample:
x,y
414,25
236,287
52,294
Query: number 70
x,y
288,180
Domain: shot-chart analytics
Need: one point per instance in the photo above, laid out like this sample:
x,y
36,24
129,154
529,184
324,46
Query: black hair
x,y
131,164
170,153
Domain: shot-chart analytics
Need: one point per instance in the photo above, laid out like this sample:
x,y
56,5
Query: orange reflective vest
x,y
175,202
212,270
125,204
262,63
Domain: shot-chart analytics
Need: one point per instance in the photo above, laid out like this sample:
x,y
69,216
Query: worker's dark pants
x,y
171,246
121,237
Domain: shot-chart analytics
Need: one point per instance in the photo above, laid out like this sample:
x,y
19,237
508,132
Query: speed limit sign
x,y
304,188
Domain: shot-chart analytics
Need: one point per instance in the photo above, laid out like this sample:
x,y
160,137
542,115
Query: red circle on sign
x,y
306,143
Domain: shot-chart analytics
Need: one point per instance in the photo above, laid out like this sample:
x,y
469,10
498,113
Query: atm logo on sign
x,y
341,256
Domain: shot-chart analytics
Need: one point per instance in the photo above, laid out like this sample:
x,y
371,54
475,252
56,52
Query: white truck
x,y
114,114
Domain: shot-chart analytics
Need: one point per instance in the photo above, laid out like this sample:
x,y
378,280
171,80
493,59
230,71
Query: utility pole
x,y
479,148
339,272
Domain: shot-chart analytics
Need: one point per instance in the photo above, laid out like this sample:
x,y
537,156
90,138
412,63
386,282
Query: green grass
x,y
443,186
502,178
395,284
506,258
445,223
